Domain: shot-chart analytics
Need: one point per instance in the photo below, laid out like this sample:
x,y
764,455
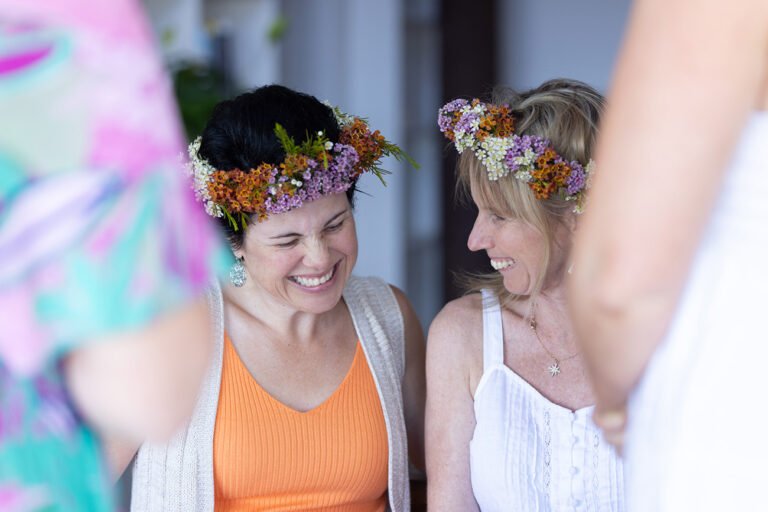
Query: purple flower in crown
x,y
455,105
344,161
338,177
530,142
467,123
488,131
521,157
446,117
444,122
310,169
577,180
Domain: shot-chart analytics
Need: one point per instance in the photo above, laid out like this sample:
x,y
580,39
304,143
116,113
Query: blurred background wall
x,y
394,62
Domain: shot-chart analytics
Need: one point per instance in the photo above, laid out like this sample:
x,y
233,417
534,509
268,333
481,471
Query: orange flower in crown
x,y
310,169
488,131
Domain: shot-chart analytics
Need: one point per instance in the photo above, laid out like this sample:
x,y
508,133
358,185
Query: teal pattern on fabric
x,y
12,178
42,439
53,49
99,229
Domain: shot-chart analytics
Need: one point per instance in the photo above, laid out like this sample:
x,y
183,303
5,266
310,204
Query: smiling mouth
x,y
502,264
314,282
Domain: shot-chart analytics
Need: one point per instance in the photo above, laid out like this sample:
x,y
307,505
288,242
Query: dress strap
x,y
493,332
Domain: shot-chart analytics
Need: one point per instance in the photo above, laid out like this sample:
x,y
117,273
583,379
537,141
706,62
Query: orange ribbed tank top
x,y
267,456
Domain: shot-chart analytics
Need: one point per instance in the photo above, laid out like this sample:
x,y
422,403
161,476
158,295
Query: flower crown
x,y
489,131
312,169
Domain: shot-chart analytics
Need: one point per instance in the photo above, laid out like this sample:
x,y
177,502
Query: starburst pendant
x,y
554,369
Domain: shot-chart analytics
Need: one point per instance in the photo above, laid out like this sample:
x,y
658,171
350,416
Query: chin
x,y
319,305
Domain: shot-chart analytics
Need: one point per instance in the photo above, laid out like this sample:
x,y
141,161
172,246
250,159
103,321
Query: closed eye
x,y
334,227
288,244
497,218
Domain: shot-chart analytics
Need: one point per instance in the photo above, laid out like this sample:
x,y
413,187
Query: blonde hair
x,y
565,112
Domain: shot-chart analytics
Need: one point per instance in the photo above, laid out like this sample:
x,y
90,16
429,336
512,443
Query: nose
x,y
480,236
317,254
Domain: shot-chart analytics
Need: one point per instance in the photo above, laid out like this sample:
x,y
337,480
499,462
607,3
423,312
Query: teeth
x,y
312,282
501,264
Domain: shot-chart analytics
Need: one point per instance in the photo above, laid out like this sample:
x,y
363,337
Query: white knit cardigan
x,y
178,476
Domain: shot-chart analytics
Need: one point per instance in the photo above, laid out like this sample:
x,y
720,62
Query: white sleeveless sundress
x,y
528,454
698,432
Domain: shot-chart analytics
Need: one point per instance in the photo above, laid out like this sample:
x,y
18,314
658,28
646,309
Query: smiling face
x,y
303,258
517,250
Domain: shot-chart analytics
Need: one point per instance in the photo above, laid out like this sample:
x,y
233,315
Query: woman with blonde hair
x,y
509,404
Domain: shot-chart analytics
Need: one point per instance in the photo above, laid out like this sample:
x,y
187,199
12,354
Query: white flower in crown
x,y
527,159
464,141
201,172
478,109
525,163
475,113
466,138
491,153
488,131
524,175
342,118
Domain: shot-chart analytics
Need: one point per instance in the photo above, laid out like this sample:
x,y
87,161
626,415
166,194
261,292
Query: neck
x,y
554,299
252,305
550,310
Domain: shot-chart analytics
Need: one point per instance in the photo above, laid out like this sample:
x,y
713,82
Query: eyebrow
x,y
330,221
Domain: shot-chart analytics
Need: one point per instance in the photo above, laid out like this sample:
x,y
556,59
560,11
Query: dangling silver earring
x,y
237,273
570,268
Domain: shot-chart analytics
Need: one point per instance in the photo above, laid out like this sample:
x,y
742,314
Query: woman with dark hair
x,y
315,397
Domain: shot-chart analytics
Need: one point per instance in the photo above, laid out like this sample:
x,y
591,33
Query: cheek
x,y
347,242
270,265
527,248
512,243
536,259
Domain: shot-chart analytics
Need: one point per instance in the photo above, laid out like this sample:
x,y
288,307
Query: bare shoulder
x,y
458,318
456,332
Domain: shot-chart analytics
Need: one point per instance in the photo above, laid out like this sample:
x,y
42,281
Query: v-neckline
x,y
241,367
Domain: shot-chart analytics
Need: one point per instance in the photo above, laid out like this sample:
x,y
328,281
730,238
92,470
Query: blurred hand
x,y
613,423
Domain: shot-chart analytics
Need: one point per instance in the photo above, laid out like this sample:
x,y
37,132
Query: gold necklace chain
x,y
554,368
